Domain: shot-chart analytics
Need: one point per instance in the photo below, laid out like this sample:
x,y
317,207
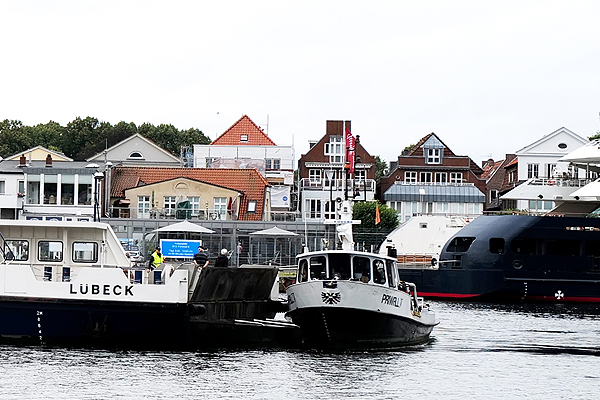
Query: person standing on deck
x,y
201,258
156,259
222,261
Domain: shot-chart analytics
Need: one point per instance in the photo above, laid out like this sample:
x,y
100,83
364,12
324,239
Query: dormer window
x,y
136,155
243,138
434,156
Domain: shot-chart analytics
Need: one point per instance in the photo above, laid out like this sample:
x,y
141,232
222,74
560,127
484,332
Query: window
x,y
67,189
243,138
272,163
334,149
221,205
85,252
339,266
209,161
425,177
84,190
170,202
252,206
136,154
317,267
392,273
361,269
2,187
379,272
195,203
523,246
302,271
143,206
313,208
19,249
455,177
360,175
550,168
493,195
460,244
496,245
314,175
532,170
33,189
434,156
410,177
441,177
50,189
512,176
50,251
563,248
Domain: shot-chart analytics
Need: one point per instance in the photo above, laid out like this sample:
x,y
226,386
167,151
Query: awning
x,y
434,193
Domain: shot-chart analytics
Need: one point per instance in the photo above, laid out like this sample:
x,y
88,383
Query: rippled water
x,y
479,351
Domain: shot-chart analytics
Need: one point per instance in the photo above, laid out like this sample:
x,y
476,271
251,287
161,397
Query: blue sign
x,y
179,248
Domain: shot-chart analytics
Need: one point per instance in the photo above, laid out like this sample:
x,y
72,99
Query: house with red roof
x,y
496,180
246,145
204,193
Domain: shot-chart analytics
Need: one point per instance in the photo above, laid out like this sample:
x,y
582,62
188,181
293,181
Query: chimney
x,y
22,161
49,161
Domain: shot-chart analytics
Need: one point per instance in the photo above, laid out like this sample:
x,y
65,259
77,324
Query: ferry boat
x,y
346,298
71,283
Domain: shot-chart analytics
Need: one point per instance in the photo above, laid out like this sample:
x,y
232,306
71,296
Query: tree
x,y
596,136
367,232
380,167
14,137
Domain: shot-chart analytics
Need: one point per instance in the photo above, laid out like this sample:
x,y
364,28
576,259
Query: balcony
x,y
11,200
327,185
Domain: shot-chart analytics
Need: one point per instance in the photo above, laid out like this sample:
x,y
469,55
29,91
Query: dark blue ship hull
x,y
517,258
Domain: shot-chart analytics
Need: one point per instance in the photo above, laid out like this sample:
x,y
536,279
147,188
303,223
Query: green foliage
x,y
380,166
367,232
596,136
83,138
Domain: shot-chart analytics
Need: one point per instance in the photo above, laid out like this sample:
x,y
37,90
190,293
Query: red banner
x,y
350,150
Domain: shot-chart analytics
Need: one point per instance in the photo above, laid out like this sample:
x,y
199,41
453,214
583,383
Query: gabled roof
x,y
248,181
431,139
244,126
40,153
490,168
561,131
128,142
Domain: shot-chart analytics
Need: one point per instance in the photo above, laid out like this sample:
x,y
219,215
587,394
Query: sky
x,y
489,78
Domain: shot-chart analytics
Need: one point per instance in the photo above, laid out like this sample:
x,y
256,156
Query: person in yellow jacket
x,y
156,259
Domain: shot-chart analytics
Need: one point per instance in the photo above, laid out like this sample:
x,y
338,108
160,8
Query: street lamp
x,y
98,176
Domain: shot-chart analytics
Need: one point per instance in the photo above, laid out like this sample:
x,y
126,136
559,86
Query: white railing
x,y
337,184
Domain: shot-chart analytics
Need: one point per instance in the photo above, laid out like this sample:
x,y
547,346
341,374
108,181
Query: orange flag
x,y
377,216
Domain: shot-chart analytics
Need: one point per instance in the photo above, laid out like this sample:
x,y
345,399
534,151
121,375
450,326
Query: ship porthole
x,y
517,264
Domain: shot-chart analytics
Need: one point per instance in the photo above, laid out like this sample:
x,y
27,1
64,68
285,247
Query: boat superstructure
x,y
71,283
347,298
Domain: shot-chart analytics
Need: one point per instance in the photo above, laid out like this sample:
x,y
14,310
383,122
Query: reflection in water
x,y
479,350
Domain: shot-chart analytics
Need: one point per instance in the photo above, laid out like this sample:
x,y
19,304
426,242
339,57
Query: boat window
x,y
303,271
339,266
563,248
592,248
50,251
86,252
523,246
19,249
497,245
460,244
317,267
391,268
361,269
378,272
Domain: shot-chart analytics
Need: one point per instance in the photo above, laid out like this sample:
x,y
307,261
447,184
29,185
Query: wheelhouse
x,y
346,266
